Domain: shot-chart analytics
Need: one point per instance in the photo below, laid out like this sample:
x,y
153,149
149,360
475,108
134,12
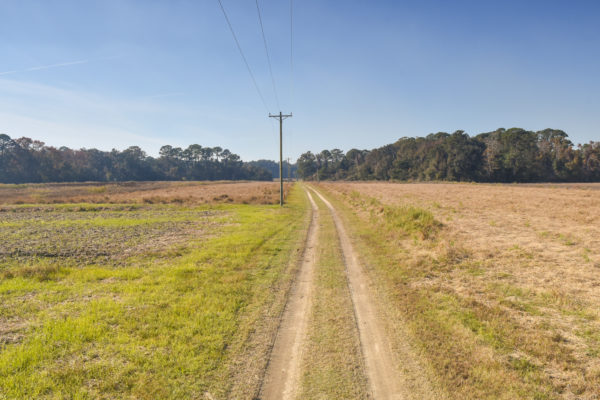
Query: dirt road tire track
x,y
388,379
282,378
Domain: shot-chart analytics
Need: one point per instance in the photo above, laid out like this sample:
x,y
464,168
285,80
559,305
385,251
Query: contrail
x,y
156,96
57,65
64,64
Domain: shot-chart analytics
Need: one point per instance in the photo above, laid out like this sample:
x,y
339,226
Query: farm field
x,y
104,294
352,290
496,286
161,192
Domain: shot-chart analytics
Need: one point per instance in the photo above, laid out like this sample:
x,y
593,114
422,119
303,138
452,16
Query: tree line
x,y
504,155
25,160
289,170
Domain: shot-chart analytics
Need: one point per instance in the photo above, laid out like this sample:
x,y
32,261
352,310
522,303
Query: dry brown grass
x,y
516,267
143,192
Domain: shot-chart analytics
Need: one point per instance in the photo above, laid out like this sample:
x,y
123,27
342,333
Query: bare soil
x,y
390,375
283,373
82,234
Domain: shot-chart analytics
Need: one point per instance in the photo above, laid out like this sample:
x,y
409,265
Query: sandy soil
x,y
283,371
391,376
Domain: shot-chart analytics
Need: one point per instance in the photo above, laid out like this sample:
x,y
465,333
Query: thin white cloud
x,y
160,95
78,134
78,118
64,64
40,67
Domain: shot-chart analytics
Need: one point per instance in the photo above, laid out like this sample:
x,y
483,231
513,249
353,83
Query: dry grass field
x,y
143,192
499,285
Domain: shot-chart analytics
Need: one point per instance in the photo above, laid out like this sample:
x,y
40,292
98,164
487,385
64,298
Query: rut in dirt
x,y
282,378
390,375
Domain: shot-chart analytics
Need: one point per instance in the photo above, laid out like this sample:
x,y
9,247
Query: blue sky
x,y
115,73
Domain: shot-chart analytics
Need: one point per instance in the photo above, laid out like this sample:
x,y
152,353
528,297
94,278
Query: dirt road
x,y
393,372
283,371
381,369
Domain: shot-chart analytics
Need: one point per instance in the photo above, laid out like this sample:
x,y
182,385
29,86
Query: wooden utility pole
x,y
281,117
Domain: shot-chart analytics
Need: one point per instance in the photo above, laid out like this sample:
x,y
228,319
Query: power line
x,y
267,52
291,50
243,56
291,136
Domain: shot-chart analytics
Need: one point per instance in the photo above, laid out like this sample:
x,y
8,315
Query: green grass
x,y
409,220
166,322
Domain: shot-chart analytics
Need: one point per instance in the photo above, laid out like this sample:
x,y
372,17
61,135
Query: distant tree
x,y
513,155
26,160
166,151
206,153
464,157
307,165
590,161
217,153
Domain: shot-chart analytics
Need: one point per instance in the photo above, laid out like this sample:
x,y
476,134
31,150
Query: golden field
x,y
498,284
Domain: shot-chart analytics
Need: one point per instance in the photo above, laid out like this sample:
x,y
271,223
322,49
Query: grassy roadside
x,y
259,324
469,348
162,323
332,364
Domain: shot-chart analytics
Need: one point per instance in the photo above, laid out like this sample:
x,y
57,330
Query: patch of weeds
x,y
503,275
97,189
355,195
475,268
522,365
586,254
568,240
521,305
454,254
41,271
521,252
414,221
481,328
558,337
